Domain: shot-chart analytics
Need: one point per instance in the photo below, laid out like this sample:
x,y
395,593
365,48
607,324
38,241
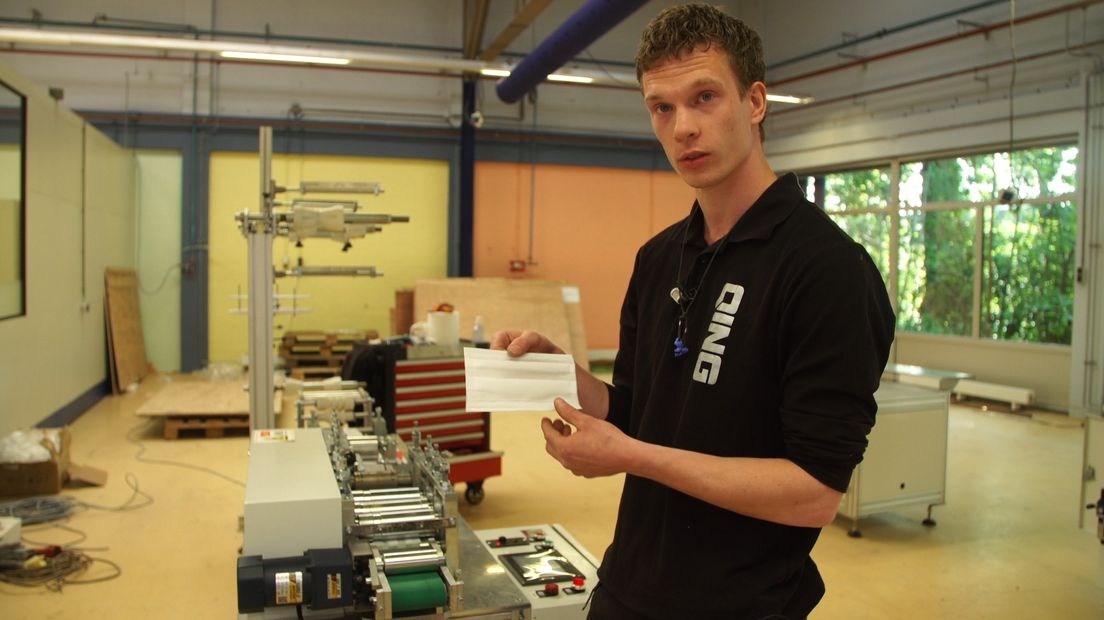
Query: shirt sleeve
x,y
836,328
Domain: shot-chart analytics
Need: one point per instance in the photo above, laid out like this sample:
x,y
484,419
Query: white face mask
x,y
496,382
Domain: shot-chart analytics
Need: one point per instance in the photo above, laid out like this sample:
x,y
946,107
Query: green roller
x,y
417,591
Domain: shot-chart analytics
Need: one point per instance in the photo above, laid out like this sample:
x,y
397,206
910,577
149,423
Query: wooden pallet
x,y
316,349
212,426
315,372
308,338
312,360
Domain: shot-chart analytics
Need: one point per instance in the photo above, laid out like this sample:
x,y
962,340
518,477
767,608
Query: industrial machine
x,y
336,518
422,387
347,400
358,523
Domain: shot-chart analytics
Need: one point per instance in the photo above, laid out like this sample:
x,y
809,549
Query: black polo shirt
x,y
788,334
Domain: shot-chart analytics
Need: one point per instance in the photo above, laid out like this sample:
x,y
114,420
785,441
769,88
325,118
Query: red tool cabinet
x,y
428,393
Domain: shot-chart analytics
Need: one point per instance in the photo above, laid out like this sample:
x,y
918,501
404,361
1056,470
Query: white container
x,y
443,327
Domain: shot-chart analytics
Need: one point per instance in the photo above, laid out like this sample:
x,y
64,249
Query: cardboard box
x,y
44,478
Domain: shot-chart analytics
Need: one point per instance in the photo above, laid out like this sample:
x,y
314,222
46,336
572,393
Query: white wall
x,y
158,195
1044,368
56,352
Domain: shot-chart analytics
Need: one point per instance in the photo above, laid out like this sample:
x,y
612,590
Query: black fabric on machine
x,y
374,365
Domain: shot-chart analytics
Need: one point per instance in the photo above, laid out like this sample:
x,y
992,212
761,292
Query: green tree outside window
x,y
1026,270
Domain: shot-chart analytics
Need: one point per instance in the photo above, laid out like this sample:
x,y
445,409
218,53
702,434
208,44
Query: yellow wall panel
x,y
404,253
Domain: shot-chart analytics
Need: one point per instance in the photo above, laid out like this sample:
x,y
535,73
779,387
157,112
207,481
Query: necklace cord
x,y
686,301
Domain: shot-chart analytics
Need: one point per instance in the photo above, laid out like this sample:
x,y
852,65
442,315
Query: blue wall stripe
x,y
73,410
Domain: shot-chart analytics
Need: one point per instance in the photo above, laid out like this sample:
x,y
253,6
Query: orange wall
x,y
589,224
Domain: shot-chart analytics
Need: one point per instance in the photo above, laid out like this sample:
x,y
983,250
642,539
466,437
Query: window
x,y
858,200
13,218
982,245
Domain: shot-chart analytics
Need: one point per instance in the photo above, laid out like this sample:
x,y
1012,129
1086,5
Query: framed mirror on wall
x,y
13,226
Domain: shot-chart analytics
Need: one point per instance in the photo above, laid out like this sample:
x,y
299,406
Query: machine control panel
x,y
553,570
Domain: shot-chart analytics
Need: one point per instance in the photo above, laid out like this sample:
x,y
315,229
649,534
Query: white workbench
x,y
906,460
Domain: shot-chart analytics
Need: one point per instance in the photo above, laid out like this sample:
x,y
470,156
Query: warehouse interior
x,y
134,147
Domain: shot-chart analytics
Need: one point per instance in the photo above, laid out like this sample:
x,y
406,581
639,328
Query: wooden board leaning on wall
x,y
126,345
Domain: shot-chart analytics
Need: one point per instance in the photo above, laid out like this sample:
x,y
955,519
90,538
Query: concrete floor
x,y
1006,545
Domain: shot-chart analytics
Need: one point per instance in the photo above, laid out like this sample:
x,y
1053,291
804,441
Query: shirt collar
x,y
772,208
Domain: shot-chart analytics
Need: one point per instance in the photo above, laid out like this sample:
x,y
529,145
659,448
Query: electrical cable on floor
x,y
142,448
52,567
38,509
57,526
32,564
45,508
132,482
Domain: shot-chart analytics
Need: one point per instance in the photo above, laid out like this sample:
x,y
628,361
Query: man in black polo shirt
x,y
753,336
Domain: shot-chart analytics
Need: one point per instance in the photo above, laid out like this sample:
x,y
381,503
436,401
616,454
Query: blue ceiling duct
x,y
591,21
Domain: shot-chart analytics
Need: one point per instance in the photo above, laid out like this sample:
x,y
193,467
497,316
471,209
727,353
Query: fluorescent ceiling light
x,y
788,99
305,55
173,44
577,79
320,60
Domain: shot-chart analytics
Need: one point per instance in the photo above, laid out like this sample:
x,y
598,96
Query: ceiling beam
x,y
473,38
526,16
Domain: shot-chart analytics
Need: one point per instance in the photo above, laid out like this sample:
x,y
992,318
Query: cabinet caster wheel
x,y
474,493
929,522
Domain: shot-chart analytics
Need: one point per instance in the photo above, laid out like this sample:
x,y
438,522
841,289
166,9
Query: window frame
x,y
894,210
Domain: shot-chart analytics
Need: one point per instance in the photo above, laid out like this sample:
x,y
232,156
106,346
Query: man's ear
x,y
757,96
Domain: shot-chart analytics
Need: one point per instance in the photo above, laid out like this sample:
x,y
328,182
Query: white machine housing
x,y
292,501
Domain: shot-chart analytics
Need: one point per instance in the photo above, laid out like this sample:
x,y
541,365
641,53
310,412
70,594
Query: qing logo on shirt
x,y
708,366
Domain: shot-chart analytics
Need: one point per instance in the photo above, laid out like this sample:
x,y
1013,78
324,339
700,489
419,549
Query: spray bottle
x,y
478,336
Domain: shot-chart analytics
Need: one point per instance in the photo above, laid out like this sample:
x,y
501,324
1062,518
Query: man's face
x,y
706,128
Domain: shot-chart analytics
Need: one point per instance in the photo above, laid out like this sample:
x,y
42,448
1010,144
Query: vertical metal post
x,y
893,278
1087,346
467,179
262,412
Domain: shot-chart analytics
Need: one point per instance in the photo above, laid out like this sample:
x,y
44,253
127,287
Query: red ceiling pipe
x,y
919,46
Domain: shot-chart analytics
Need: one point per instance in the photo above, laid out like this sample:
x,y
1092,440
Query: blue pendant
x,y
680,348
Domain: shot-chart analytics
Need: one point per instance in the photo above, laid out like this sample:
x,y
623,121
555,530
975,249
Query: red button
x,y
551,589
578,582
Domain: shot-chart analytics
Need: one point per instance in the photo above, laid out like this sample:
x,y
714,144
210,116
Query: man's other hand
x,y
516,343
593,448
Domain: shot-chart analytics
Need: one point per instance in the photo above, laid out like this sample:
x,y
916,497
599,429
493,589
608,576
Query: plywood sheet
x,y
124,327
201,398
506,303
573,309
402,315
